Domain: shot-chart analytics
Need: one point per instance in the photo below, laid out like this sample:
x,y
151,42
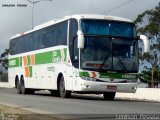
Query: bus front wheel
x,y
109,95
62,91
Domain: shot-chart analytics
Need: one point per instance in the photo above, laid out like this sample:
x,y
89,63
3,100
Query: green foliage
x,y
1,73
146,75
4,77
4,59
148,23
150,76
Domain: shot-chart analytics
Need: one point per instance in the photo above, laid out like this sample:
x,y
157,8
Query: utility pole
x,y
33,2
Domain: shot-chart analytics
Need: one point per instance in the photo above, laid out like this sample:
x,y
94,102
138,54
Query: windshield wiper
x,y
103,63
122,64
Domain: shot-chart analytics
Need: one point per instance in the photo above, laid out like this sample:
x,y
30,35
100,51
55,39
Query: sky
x,y
14,20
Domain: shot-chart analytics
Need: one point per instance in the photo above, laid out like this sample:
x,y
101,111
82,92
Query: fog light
x,y
85,86
88,78
134,88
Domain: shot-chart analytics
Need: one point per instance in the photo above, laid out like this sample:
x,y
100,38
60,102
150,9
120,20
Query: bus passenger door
x,y
75,64
72,66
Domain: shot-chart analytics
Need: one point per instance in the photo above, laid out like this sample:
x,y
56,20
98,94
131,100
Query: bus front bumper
x,y
91,86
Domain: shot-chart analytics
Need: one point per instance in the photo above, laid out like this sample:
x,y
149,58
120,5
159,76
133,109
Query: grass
x,y
16,113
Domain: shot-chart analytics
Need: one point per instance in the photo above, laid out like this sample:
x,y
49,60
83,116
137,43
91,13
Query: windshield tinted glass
x,y
124,53
106,53
111,28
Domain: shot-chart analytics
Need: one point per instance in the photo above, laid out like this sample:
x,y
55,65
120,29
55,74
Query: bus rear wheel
x,y
62,91
109,95
18,87
22,86
23,89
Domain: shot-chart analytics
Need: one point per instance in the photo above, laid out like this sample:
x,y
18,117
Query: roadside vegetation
x,y
4,65
16,113
148,23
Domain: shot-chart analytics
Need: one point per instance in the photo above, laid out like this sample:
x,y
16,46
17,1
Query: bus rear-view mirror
x,y
80,39
145,42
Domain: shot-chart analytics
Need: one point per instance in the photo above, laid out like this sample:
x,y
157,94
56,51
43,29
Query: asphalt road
x,y
42,102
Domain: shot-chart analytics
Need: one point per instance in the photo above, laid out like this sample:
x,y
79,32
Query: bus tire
x,y
18,86
22,86
63,93
109,95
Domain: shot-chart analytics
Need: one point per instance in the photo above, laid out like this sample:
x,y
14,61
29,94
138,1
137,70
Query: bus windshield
x,y
111,28
109,48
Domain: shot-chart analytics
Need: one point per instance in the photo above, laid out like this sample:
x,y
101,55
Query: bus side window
x,y
12,47
62,33
35,40
27,42
45,39
53,37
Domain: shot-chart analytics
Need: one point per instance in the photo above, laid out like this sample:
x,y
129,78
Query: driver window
x,y
73,28
75,50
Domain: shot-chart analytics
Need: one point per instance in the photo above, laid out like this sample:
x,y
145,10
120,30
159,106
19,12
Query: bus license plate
x,y
110,87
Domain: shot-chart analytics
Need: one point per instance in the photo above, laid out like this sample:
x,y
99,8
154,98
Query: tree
x,y
148,23
4,60
147,76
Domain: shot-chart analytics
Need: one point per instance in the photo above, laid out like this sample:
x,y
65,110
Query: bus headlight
x,y
88,78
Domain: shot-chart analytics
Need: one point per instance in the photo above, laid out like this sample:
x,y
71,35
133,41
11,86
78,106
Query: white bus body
x,y
52,56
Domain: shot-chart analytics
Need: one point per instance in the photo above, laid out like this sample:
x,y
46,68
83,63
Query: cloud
x,y
15,20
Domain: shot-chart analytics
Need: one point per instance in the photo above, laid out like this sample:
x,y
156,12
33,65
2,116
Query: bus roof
x,y
98,16
78,17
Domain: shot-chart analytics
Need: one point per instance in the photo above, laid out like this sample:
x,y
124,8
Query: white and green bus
x,y
80,53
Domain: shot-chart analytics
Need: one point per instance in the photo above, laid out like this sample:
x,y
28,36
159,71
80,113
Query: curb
x,y
151,94
4,85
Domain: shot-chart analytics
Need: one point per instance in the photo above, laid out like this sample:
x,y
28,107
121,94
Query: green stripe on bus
x,y
30,71
118,75
20,61
14,62
43,58
111,75
85,74
28,60
65,54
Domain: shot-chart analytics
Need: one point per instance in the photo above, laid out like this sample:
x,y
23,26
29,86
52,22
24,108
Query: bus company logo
x,y
52,68
111,79
54,54
12,63
55,57
14,5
